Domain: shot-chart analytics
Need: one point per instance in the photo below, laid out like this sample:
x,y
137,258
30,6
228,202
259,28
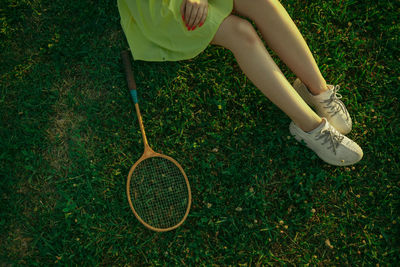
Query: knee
x,y
267,3
244,36
256,10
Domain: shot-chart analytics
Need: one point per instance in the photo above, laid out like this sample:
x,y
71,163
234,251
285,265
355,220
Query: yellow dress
x,y
155,30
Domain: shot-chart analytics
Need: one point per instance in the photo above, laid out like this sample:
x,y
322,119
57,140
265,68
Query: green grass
x,y
69,135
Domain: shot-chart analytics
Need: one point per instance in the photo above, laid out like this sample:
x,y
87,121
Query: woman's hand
x,y
194,13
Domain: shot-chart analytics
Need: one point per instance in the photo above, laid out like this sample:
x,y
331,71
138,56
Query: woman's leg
x,y
239,36
283,37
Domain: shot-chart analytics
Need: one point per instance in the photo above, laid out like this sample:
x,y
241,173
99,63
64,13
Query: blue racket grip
x,y
134,96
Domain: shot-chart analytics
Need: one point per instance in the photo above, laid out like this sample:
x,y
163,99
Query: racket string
x,y
159,192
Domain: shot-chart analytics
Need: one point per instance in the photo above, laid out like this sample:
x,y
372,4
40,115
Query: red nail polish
x,y
193,28
183,18
201,24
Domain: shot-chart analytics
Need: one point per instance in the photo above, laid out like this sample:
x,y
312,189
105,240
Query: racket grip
x,y
128,70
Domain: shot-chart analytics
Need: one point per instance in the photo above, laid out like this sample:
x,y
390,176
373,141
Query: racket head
x,y
158,192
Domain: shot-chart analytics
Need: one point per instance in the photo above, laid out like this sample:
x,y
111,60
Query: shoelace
x,y
332,136
335,98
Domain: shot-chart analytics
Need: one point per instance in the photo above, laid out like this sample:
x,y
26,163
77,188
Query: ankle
x,y
318,90
310,127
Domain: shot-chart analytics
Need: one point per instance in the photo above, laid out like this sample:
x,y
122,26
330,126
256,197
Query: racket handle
x,y
129,75
132,88
128,70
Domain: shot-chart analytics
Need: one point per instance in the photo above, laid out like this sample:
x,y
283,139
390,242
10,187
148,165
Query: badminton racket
x,y
157,187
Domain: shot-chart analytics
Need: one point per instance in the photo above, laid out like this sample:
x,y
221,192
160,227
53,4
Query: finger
x,y
193,15
183,7
203,19
188,12
199,16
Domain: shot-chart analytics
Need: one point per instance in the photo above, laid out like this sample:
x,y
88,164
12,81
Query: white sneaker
x,y
328,105
331,146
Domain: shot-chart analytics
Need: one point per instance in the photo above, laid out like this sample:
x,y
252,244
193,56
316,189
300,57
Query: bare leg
x,y
283,37
239,36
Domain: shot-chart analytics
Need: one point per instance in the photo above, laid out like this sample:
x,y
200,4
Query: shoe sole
x,y
298,137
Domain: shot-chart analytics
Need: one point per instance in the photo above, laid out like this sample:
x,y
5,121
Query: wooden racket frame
x,y
148,152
